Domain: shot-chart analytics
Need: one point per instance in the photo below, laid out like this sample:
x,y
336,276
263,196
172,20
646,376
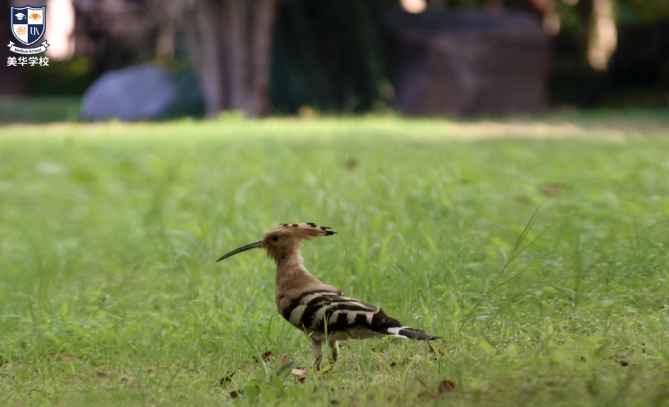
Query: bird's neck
x,y
290,271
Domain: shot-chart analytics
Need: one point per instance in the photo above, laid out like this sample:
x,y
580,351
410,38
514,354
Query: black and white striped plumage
x,y
326,311
319,309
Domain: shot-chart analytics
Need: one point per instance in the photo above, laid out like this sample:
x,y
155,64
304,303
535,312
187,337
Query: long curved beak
x,y
254,245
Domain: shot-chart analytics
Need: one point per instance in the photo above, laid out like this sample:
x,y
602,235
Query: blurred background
x,y
160,59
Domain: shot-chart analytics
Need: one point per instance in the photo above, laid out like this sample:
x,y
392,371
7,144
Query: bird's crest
x,y
306,230
284,239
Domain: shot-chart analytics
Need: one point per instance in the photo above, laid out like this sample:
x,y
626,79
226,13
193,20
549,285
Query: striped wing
x,y
331,311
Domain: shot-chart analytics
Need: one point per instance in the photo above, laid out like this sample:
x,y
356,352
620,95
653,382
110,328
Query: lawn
x,y
536,248
39,109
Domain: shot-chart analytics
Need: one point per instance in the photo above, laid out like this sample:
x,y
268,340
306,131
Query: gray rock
x,y
470,62
143,92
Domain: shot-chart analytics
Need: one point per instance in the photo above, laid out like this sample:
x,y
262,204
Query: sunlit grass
x,y
111,295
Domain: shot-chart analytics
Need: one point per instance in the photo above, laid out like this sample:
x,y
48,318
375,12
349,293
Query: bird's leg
x,y
334,346
317,345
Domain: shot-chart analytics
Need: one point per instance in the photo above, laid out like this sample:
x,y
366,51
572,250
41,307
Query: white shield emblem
x,y
28,24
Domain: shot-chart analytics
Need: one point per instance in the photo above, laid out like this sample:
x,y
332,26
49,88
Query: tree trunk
x,y
585,9
230,50
264,12
236,53
209,61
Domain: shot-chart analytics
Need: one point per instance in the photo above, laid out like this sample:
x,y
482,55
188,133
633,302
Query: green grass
x,y
539,254
45,109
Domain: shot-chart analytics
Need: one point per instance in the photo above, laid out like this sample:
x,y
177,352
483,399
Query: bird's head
x,y
284,239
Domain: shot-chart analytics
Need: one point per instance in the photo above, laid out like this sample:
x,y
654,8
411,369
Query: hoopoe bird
x,y
318,309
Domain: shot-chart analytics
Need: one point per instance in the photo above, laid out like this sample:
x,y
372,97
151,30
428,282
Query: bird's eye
x,y
276,238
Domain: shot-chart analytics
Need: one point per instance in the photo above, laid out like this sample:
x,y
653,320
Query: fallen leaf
x,y
103,375
299,374
446,386
284,360
524,199
351,163
552,188
62,356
